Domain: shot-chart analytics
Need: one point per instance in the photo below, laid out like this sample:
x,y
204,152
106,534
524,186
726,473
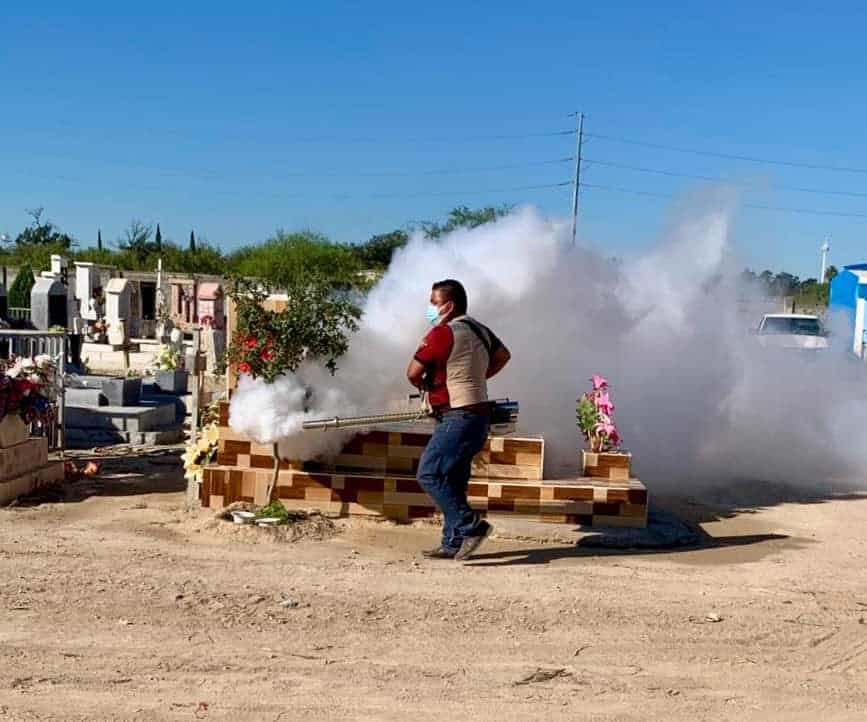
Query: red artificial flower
x,y
244,367
251,342
267,354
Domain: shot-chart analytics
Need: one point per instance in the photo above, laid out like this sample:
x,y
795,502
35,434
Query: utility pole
x,y
579,142
824,249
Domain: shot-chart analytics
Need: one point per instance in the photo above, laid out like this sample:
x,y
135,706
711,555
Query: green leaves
x,y
19,293
587,415
315,325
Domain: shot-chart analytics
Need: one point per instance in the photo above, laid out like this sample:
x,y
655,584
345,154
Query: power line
x,y
718,179
444,171
317,196
727,156
780,209
255,135
457,192
315,173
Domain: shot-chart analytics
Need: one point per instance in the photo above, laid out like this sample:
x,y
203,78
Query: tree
x,y
158,240
19,293
192,242
43,233
464,217
136,242
377,252
785,284
99,239
831,273
290,260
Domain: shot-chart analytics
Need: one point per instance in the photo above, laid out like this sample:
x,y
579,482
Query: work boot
x,y
472,543
439,552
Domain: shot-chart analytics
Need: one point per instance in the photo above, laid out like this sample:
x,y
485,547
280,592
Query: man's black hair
x,y
453,291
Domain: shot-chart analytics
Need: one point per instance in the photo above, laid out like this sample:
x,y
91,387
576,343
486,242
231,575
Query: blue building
x,y
849,300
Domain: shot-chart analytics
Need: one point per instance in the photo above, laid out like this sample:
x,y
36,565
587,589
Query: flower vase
x,y
610,465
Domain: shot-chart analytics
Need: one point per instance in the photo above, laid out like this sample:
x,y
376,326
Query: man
x,y
453,364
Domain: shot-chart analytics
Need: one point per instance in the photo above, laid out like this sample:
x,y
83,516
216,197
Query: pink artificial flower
x,y
609,432
599,382
603,403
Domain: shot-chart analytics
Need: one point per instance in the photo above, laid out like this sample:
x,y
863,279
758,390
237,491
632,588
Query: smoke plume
x,y
697,399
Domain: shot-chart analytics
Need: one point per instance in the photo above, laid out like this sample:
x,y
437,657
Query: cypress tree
x,y
99,239
192,242
19,293
159,239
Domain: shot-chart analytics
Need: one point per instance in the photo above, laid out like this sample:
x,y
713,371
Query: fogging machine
x,y
504,418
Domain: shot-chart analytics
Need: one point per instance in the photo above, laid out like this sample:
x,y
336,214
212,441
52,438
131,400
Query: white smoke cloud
x,y
274,413
697,399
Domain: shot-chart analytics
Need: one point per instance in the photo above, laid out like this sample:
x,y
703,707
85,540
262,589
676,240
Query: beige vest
x,y
467,366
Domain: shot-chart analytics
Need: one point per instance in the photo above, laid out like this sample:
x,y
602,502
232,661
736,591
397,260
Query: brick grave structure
x,y
374,475
24,462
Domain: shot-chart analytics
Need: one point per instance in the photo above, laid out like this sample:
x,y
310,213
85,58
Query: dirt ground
x,y
116,604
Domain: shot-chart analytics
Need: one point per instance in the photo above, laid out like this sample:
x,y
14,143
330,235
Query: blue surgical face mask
x,y
433,314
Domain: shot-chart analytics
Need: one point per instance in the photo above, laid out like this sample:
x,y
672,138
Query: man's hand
x,y
499,359
415,374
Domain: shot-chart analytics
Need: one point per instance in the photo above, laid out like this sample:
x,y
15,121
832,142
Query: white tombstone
x,y
58,265
84,283
117,310
118,295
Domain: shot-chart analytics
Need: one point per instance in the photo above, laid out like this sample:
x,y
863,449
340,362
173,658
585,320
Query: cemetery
x,y
128,371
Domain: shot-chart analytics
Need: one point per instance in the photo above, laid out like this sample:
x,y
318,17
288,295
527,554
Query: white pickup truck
x,y
792,330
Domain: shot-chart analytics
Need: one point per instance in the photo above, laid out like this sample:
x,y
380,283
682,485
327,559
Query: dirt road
x,y
118,605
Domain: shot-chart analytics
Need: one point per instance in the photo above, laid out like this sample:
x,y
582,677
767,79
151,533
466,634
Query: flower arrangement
x,y
200,454
595,414
168,358
27,388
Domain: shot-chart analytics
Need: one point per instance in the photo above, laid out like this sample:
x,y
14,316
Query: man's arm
x,y
499,359
415,373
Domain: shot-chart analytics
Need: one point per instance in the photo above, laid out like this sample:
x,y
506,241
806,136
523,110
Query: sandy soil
x,y
116,604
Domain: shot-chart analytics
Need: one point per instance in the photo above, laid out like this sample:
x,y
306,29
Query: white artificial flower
x,y
43,361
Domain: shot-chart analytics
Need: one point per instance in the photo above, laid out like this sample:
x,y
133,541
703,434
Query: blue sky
x,y
355,118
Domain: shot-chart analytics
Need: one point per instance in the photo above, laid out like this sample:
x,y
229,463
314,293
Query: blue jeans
x,y
444,472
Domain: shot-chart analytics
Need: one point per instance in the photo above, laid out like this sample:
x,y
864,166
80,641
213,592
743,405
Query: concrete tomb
x,y
48,304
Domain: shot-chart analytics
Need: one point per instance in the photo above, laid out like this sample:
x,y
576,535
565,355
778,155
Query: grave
x,y
375,476
48,304
116,409
85,286
118,311
24,462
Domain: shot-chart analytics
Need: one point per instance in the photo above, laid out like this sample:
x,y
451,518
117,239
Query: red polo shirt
x,y
433,354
